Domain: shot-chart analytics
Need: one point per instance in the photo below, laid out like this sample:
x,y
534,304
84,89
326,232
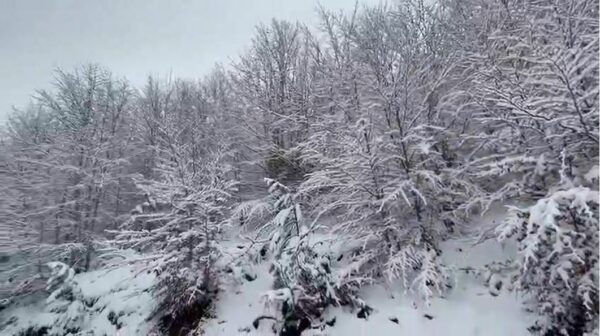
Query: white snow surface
x,y
122,290
240,304
469,308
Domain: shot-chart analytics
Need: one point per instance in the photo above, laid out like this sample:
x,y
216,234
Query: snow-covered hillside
x,y
471,308
420,168
480,298
119,302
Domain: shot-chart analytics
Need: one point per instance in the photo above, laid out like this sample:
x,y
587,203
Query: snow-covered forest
x,y
417,168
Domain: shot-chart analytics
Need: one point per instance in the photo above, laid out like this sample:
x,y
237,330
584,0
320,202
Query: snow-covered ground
x,y
121,296
468,308
121,293
240,304
472,307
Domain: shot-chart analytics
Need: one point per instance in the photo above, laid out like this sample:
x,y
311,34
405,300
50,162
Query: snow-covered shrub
x,y
284,165
185,293
180,229
100,302
301,291
394,253
23,276
558,258
306,282
310,279
513,176
61,279
65,299
65,303
182,254
275,218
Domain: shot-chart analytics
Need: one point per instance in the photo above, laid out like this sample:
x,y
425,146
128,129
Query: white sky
x,y
133,38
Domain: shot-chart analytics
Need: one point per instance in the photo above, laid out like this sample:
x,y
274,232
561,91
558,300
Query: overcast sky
x,y
133,38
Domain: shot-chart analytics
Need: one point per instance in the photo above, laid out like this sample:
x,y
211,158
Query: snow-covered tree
x,y
61,172
379,155
532,94
388,127
272,83
187,195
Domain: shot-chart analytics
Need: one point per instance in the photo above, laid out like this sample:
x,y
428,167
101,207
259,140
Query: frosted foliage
x,y
558,242
337,159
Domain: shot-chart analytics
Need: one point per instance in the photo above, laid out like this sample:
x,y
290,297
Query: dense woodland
x,y
389,127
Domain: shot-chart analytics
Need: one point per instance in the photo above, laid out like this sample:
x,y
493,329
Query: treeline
x,y
395,123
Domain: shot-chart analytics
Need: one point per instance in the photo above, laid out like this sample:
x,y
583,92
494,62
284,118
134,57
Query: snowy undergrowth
x,y
108,302
471,307
480,301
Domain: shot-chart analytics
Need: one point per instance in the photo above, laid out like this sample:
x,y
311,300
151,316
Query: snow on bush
x,y
558,258
305,280
100,302
180,230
